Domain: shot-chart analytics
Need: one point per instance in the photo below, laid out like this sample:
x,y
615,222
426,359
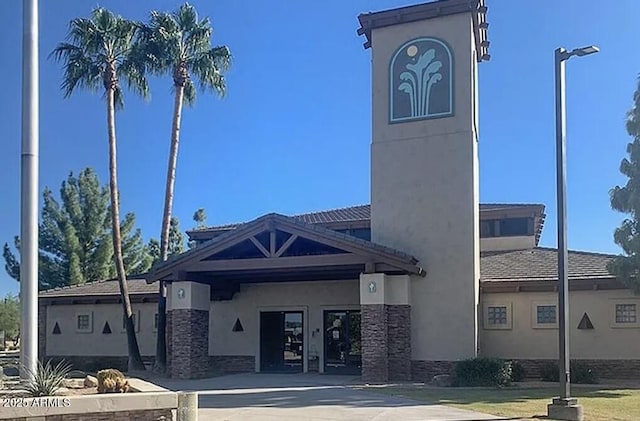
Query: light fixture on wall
x,y
56,329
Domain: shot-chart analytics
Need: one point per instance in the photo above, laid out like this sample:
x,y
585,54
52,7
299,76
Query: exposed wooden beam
x,y
279,263
272,243
205,251
260,247
369,267
286,245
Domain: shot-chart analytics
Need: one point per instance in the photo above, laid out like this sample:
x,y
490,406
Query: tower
x,y
424,165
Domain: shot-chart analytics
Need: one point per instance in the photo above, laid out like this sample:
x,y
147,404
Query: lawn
x,y
600,404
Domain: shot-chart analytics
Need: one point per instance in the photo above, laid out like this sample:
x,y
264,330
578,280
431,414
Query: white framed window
x,y
497,316
624,313
136,321
84,322
544,315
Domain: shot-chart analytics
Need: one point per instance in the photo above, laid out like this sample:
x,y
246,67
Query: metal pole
x,y
29,193
561,188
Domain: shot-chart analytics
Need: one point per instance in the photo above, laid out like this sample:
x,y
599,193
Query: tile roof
x,y
275,218
362,213
537,264
107,288
540,264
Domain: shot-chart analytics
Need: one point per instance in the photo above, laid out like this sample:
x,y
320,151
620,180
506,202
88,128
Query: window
x,y
488,228
497,315
546,314
626,313
515,226
84,322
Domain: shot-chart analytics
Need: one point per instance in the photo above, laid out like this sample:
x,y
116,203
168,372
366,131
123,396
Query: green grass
x,y
610,404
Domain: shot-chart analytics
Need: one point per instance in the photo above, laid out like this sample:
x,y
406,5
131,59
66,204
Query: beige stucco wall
x,y
525,341
96,343
310,297
507,243
424,193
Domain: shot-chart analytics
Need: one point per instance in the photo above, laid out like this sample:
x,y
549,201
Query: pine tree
x,y
626,199
75,236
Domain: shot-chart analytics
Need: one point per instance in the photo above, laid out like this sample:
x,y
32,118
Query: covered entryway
x,y
280,295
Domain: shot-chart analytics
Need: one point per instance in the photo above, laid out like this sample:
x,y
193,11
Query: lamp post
x,y
564,407
29,193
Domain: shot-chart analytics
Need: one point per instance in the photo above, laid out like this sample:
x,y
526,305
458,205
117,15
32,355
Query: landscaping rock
x,y
10,371
442,380
62,391
90,381
73,383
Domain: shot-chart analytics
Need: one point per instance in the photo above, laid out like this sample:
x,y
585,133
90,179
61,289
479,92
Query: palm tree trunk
x,y
135,360
161,342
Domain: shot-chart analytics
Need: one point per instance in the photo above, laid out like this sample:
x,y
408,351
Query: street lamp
x,y
564,407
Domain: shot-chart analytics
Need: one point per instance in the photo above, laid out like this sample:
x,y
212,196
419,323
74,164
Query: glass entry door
x,y
342,343
281,341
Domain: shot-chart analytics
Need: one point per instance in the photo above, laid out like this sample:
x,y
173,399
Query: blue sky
x,y
293,133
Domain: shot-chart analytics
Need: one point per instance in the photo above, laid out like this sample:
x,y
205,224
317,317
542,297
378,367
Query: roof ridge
x,y
588,253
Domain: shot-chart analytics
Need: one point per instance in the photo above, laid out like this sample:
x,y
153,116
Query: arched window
x,y
421,81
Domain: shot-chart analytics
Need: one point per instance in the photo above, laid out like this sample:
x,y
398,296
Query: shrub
x,y
483,372
518,372
581,373
47,379
549,372
111,380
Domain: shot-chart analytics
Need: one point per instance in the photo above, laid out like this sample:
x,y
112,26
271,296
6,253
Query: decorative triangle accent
x,y
106,329
237,327
585,322
56,329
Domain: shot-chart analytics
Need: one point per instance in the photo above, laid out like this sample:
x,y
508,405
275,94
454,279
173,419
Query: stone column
x,y
189,318
386,327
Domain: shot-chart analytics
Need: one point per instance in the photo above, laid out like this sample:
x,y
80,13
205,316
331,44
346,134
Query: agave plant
x,y
47,379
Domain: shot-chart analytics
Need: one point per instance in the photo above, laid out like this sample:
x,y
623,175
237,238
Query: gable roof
x,y
273,222
522,267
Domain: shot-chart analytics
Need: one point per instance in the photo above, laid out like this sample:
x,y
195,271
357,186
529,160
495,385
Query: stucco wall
x,y
424,192
507,243
96,343
525,341
310,297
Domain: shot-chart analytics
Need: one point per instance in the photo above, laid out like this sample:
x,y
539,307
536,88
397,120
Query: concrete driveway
x,y
276,397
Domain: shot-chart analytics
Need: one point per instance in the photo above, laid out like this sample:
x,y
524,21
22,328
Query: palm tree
x,y
101,51
180,44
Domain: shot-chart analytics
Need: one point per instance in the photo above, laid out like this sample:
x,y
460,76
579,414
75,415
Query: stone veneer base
x,y
189,343
230,364
386,342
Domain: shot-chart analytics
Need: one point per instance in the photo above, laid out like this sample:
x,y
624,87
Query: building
x,y
399,289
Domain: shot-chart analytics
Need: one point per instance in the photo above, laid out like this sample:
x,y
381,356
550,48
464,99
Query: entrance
x,y
342,343
281,341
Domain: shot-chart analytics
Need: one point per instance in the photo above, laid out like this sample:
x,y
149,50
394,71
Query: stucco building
x,y
399,289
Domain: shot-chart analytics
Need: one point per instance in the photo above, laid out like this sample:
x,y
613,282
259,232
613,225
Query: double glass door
x,y
281,341
342,342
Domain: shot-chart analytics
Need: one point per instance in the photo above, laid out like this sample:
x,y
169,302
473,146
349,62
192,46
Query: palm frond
x,y
189,93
